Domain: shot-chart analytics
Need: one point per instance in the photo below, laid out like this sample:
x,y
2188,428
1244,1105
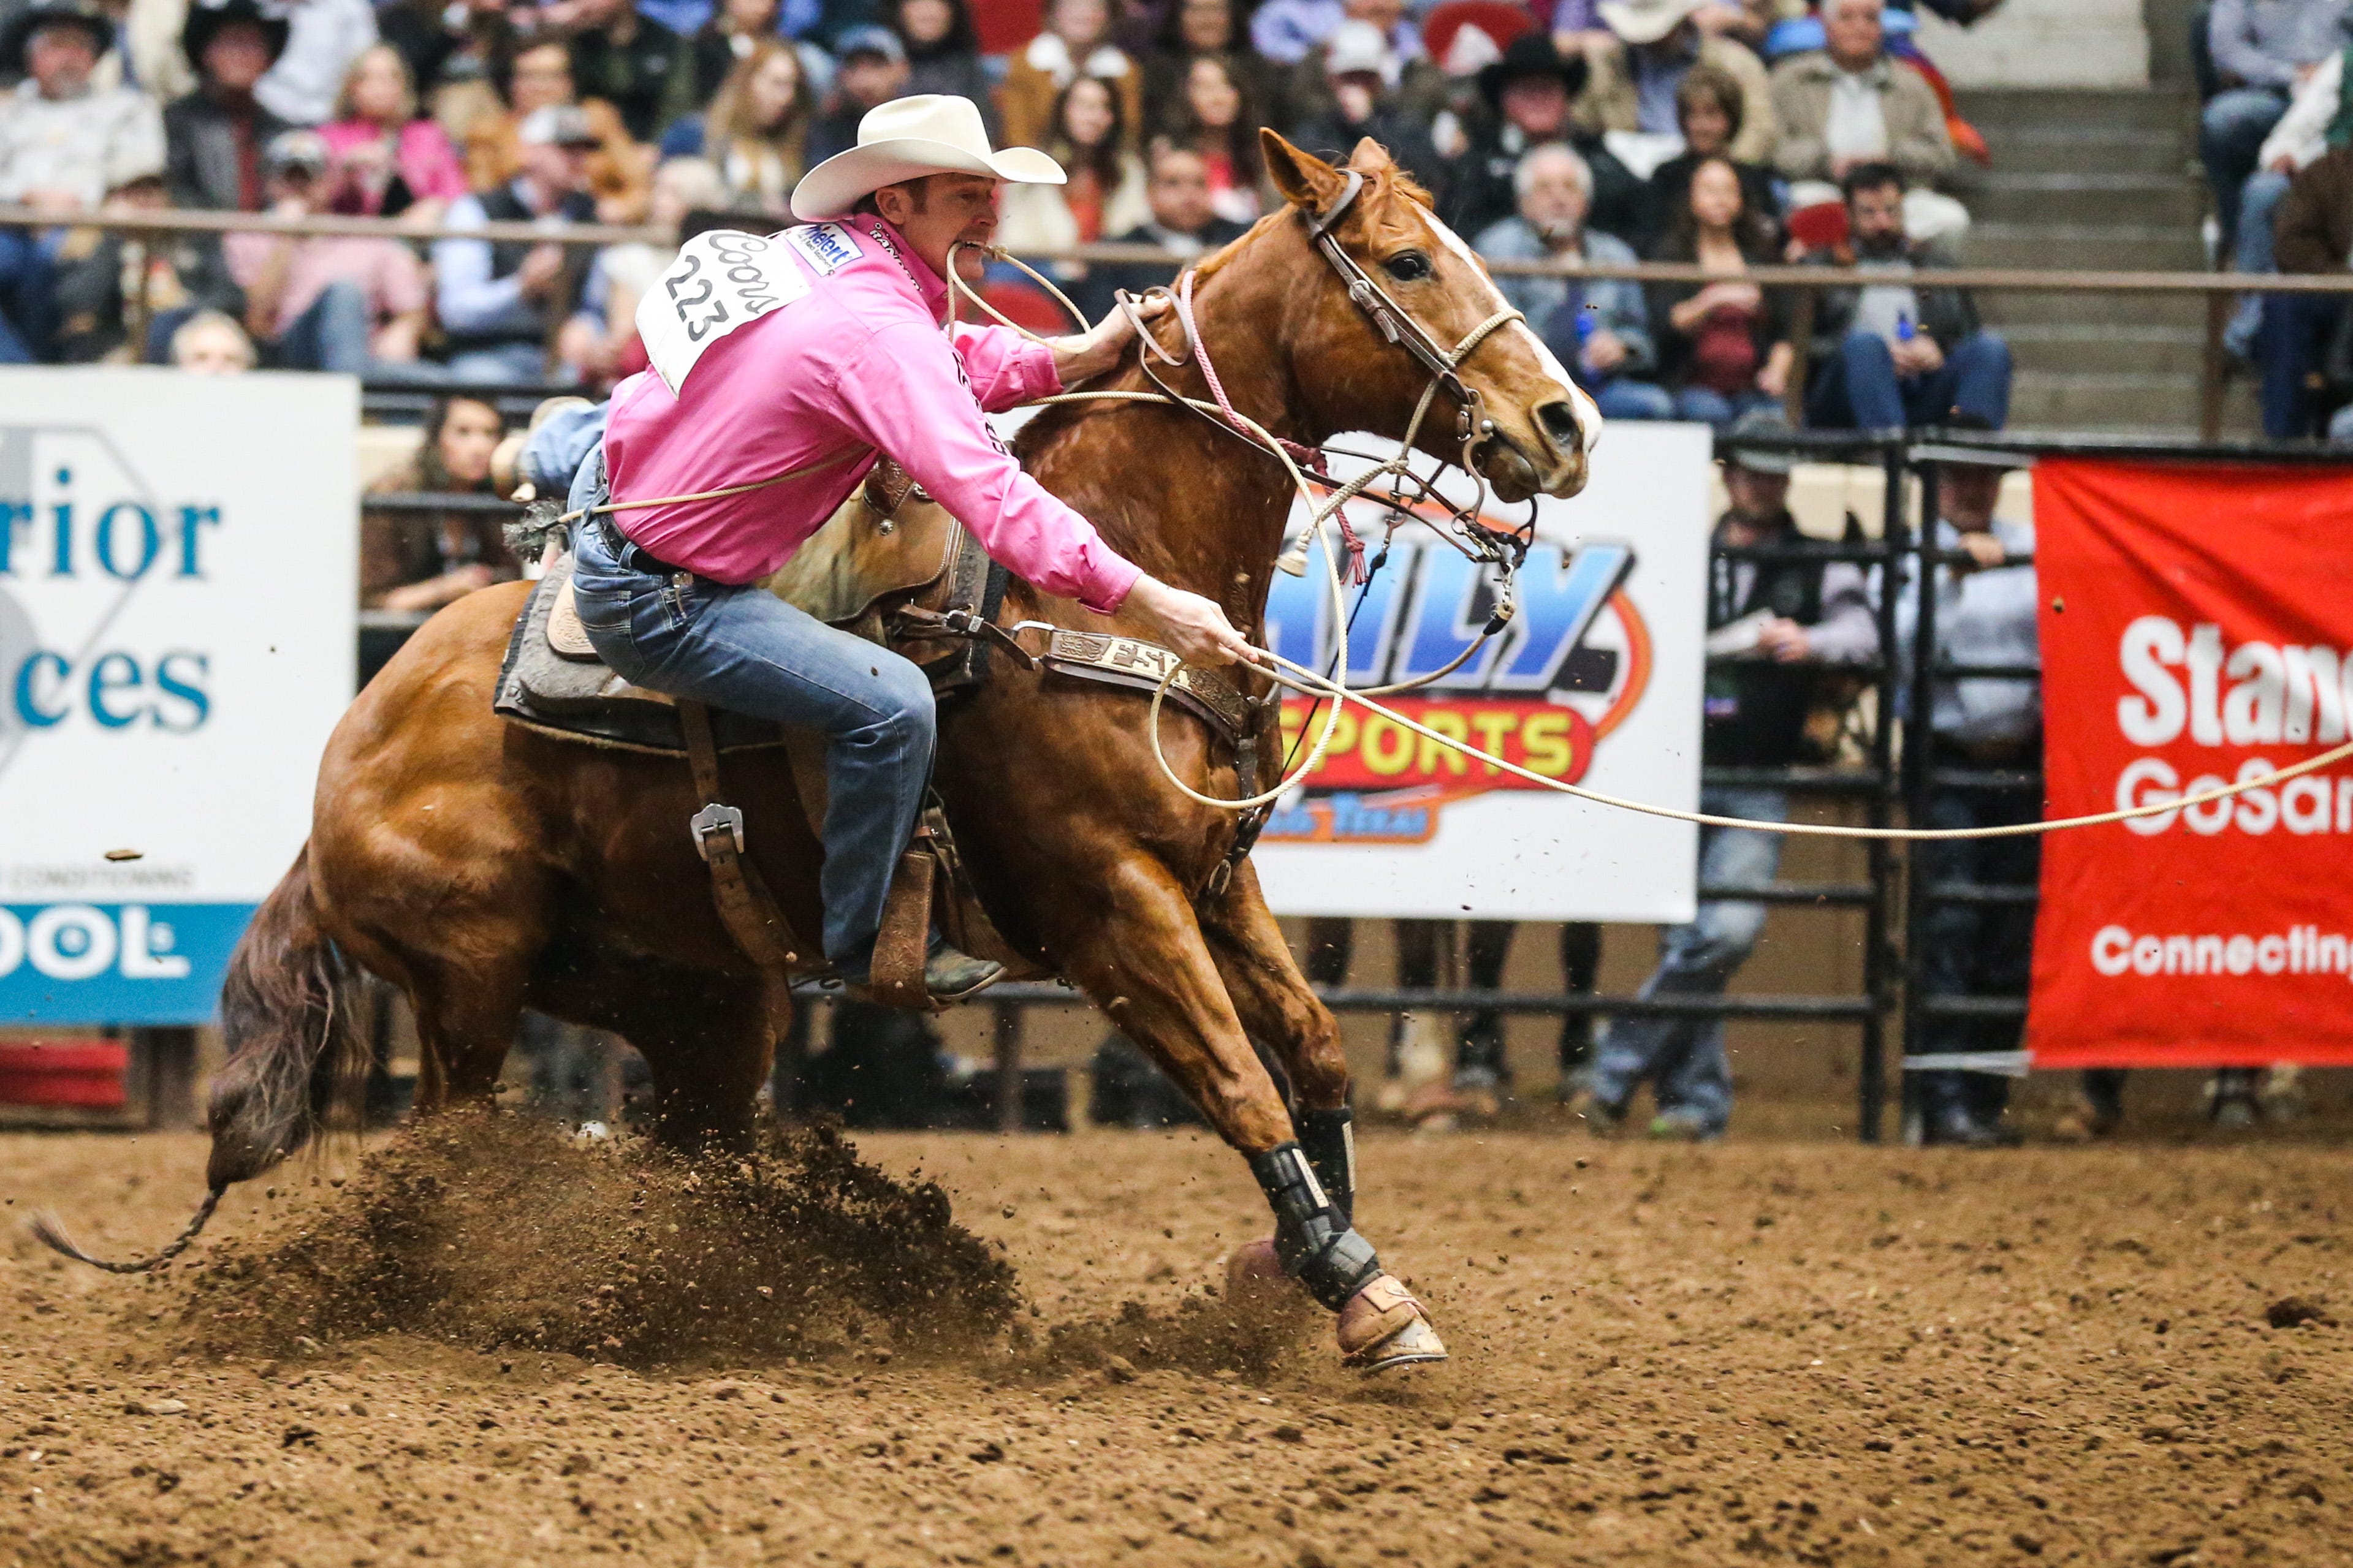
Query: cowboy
x,y
830,356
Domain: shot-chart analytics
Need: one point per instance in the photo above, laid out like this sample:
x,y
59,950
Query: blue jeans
x,y
332,334
2231,131
739,646
1705,405
1620,399
515,364
1860,390
2253,251
28,305
1683,1058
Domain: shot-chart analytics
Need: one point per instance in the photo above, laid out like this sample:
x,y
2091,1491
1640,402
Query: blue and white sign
x,y
178,559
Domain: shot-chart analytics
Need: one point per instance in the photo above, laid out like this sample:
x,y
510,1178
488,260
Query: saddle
x,y
893,566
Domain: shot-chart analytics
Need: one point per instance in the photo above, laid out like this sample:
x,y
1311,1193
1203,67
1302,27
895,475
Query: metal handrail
x,y
1810,278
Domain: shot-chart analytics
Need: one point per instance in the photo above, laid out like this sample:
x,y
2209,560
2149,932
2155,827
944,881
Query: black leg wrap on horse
x,y
1330,1143
1317,1246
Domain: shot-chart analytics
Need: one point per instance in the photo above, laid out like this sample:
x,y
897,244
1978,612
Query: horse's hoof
x,y
1383,1326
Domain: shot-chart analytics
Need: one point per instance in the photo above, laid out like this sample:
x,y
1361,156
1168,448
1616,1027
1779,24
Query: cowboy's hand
x,y
1094,352
1192,625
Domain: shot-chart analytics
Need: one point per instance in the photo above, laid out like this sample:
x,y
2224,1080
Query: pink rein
x,y
1306,456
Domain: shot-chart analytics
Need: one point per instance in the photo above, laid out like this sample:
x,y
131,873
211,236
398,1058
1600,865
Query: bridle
x,y
1400,326
1405,489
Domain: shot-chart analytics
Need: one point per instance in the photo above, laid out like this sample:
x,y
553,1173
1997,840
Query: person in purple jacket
x,y
802,358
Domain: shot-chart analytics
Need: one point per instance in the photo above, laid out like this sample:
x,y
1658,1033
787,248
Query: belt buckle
x,y
713,820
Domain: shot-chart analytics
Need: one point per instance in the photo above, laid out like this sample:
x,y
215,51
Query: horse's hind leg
x,y
466,1017
1143,958
707,1038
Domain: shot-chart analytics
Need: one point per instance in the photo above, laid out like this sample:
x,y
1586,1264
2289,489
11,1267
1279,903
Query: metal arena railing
x,y
1896,909
2219,290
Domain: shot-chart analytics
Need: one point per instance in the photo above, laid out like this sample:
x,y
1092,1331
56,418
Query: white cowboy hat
x,y
1647,21
931,134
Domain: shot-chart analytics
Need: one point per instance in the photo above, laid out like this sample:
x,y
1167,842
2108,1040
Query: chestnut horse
x,y
483,868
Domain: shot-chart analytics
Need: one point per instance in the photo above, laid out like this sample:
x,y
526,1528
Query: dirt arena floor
x,y
1777,1350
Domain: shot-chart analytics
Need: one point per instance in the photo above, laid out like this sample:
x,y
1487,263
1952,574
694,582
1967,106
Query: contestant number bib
x,y
720,281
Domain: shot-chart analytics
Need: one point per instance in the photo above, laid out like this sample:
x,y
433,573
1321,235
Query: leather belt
x,y
635,557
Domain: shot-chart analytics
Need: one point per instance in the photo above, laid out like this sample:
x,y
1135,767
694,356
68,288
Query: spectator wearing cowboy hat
x,y
499,299
1525,98
1775,625
59,136
216,135
1658,43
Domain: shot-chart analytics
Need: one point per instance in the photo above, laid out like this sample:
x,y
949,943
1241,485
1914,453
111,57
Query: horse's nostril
x,y
1557,420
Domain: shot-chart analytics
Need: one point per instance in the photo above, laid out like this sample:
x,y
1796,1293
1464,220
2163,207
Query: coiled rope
x,y
1301,679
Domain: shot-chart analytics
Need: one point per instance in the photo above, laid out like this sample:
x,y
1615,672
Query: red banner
x,y
2197,629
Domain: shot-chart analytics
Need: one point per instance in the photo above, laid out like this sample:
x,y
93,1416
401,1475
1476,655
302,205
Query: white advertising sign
x,y
178,560
1596,682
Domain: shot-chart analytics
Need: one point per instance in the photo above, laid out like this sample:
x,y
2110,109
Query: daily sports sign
x,y
177,556
2197,629
1596,682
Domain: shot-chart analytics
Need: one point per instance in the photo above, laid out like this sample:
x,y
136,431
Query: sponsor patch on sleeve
x,y
826,246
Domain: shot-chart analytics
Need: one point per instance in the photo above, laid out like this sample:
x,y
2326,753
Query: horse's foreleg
x,y
1279,1011
1148,965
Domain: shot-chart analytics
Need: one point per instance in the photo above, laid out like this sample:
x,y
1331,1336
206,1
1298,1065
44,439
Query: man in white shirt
x,y
58,137
324,37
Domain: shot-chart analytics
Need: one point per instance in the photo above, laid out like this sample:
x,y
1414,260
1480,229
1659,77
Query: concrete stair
x,y
2098,180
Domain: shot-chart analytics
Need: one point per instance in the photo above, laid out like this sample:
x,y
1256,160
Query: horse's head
x,y
1534,427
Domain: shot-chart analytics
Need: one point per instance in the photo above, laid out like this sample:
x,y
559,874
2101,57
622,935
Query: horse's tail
x,y
295,1054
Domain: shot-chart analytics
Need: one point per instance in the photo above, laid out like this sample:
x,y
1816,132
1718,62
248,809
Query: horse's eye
x,y
1408,267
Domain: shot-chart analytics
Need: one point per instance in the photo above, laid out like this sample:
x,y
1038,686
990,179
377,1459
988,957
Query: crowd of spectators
x,y
2276,138
1727,134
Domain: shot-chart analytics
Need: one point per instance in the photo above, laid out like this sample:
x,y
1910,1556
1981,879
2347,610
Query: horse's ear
x,y
1370,158
1304,180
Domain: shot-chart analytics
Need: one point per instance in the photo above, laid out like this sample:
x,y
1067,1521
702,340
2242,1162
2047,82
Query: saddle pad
x,y
582,700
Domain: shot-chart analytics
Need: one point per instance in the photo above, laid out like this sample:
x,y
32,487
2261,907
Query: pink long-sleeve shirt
x,y
858,365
